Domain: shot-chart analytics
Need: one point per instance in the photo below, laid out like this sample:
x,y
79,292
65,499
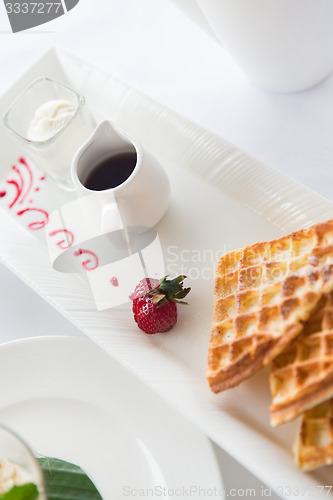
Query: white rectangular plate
x,y
221,199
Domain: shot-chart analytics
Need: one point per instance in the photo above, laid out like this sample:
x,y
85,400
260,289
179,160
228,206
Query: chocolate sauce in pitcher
x,y
111,172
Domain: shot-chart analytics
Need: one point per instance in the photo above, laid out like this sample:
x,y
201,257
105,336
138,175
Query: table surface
x,y
152,46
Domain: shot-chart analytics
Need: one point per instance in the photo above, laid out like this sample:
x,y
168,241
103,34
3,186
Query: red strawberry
x,y
155,303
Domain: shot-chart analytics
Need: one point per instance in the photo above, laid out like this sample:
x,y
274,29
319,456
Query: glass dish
x,y
54,154
15,451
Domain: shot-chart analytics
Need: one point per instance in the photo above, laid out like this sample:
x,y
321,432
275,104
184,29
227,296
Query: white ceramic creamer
x,y
140,198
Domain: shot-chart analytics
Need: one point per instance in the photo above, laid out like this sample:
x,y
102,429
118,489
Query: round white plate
x,y
68,399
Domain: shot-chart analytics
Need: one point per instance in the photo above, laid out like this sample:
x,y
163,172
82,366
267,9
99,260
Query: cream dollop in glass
x,y
11,475
49,118
50,121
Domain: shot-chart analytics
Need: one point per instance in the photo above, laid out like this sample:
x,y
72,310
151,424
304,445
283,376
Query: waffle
x,y
314,444
263,294
302,376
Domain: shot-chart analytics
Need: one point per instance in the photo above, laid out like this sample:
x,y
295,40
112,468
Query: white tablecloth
x,y
152,46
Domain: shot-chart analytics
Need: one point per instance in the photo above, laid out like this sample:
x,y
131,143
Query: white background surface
x,y
153,47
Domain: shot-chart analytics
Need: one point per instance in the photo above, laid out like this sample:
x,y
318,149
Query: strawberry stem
x,y
169,290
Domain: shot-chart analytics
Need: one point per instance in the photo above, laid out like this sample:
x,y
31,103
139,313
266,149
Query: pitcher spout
x,y
105,138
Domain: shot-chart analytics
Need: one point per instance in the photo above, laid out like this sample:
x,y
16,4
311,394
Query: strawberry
x,y
155,303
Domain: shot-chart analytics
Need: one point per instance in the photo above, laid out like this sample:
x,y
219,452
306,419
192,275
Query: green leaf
x,y
169,290
66,481
27,491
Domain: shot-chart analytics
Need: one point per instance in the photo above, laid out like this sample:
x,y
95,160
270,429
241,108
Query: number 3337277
x,y
33,7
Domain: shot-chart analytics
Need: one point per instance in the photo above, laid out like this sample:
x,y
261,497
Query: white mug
x,y
282,45
139,200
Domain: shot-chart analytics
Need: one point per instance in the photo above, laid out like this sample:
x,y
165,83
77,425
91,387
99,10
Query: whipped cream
x,y
12,475
49,118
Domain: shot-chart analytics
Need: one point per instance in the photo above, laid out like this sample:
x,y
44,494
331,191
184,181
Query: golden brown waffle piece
x,y
263,294
302,375
314,444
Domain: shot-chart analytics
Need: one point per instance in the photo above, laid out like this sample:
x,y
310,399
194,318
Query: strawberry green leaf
x,y
169,290
180,278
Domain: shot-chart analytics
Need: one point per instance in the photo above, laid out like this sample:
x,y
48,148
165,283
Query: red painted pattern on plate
x,y
36,224
25,164
63,244
22,180
88,264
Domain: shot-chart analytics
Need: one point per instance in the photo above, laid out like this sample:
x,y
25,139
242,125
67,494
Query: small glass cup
x,y
15,451
53,155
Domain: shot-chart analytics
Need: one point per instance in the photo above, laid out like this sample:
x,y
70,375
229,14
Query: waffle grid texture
x,y
263,295
302,375
273,302
314,444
